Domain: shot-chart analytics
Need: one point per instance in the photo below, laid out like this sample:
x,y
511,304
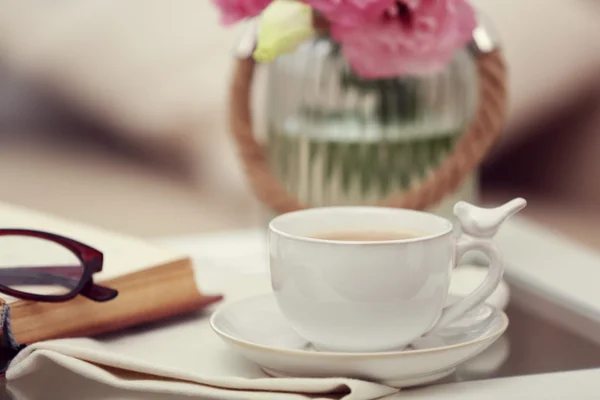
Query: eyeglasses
x,y
45,267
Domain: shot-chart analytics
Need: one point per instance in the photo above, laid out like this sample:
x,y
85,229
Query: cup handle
x,y
479,226
465,244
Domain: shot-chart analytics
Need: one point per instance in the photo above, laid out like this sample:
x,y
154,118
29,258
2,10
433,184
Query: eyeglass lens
x,y
38,266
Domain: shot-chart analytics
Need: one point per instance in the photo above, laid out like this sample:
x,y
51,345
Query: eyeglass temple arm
x,y
66,276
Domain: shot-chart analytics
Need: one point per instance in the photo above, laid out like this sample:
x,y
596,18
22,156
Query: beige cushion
x,y
157,71
104,188
148,66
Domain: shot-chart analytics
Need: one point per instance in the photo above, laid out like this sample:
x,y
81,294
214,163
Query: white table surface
x,y
546,270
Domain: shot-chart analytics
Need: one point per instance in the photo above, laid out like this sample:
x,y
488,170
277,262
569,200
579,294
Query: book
x,y
154,282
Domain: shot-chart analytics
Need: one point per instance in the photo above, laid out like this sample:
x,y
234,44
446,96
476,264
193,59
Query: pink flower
x,y
349,13
408,37
235,10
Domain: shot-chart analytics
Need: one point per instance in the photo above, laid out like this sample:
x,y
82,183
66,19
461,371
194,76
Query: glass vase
x,y
337,139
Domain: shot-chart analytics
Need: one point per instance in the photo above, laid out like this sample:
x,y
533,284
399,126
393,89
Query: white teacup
x,y
372,296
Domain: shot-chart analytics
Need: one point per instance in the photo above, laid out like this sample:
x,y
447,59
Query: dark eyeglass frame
x,y
91,261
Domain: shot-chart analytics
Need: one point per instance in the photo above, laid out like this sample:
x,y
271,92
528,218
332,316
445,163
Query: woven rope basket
x,y
467,155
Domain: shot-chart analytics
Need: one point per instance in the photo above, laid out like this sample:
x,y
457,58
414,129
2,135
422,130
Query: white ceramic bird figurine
x,y
485,222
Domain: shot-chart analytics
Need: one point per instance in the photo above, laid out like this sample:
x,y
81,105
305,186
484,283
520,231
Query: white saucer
x,y
257,330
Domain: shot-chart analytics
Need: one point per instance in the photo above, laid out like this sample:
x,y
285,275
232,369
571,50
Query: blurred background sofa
x,y
114,113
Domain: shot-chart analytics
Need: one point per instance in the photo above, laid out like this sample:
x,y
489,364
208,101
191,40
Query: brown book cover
x,y
154,282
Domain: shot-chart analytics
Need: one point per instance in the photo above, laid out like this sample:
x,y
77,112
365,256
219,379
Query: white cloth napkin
x,y
180,358
177,359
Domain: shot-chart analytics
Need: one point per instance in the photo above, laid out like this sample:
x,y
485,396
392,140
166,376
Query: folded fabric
x,y
181,358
